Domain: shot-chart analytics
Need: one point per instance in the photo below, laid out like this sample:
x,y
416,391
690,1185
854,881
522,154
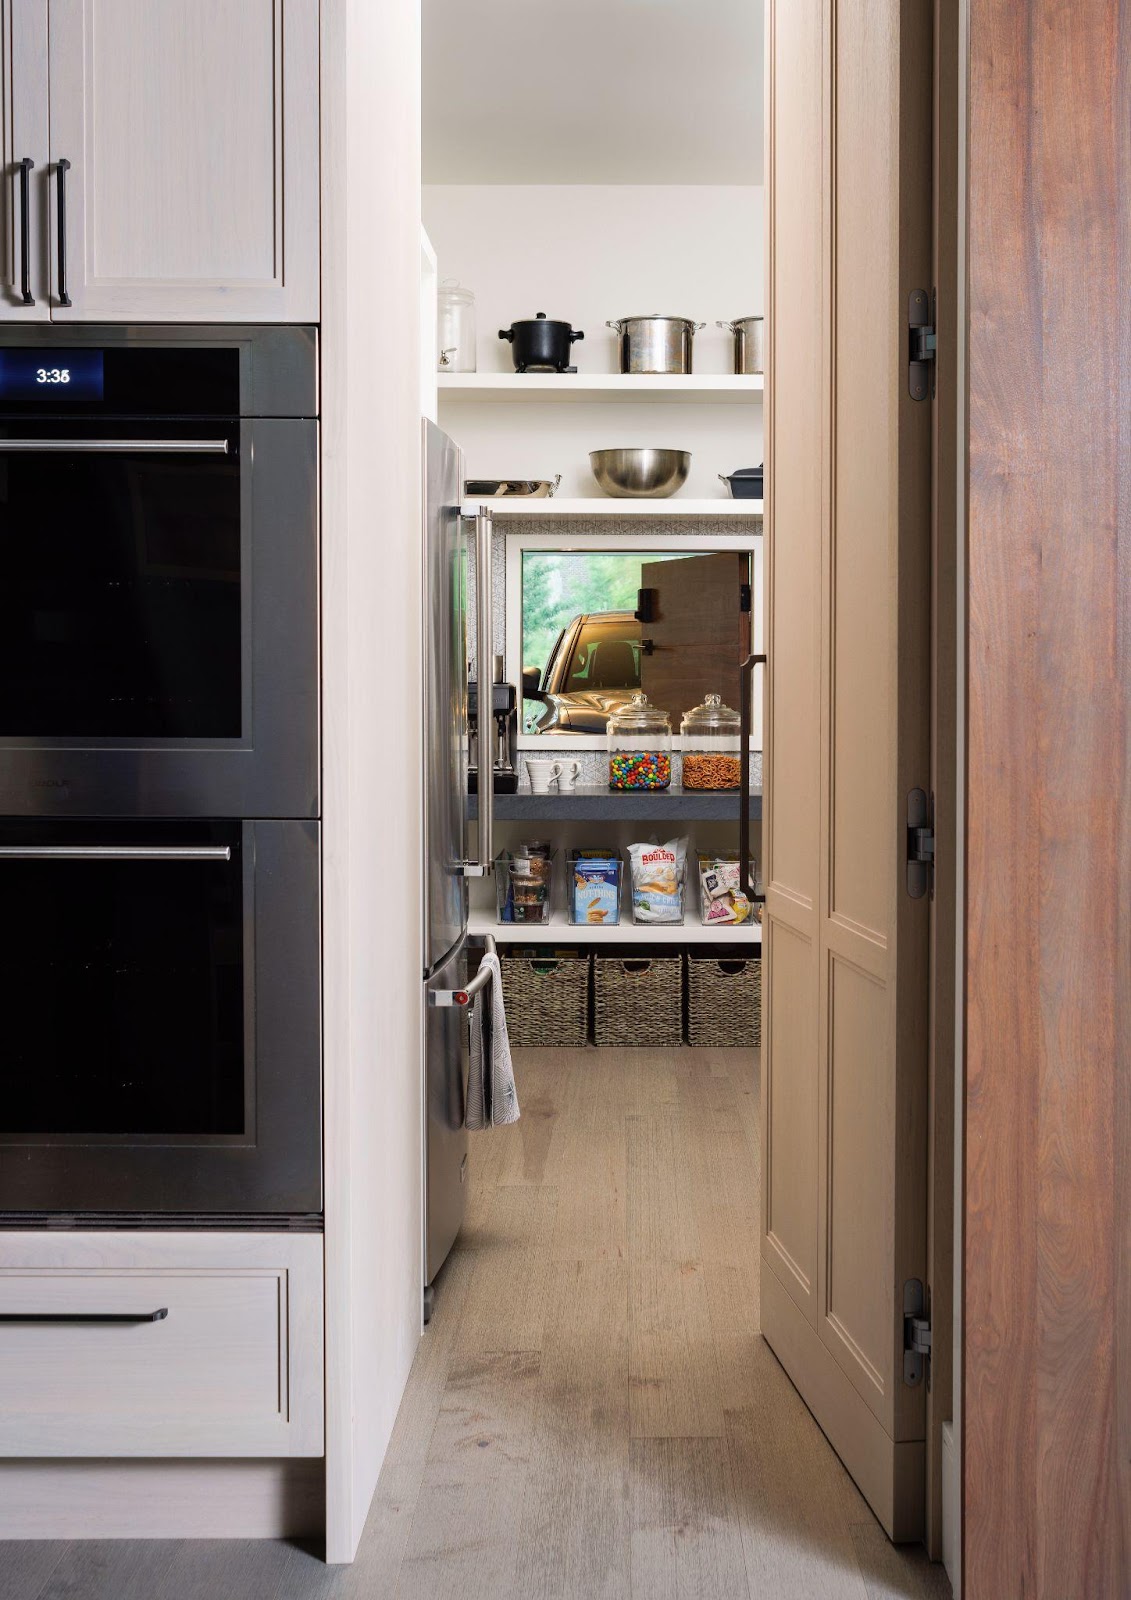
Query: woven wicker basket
x,y
547,1000
724,1002
638,1001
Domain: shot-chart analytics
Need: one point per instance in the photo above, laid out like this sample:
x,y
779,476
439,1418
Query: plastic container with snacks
x,y
712,744
722,902
594,887
524,887
640,746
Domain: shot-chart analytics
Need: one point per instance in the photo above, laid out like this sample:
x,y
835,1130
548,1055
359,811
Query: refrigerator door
x,y
445,1138
445,699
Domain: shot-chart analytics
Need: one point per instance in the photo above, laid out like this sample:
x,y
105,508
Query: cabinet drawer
x,y
160,1344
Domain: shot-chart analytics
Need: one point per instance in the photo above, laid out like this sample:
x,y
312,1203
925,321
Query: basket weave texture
x,y
547,1000
724,1003
638,1004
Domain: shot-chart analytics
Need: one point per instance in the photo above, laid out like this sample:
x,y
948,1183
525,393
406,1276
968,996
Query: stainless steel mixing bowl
x,y
640,474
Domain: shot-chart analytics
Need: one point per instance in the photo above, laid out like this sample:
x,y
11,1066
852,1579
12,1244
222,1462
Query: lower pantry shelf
x,y
559,930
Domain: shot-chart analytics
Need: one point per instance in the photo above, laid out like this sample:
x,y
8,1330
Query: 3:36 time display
x,y
50,375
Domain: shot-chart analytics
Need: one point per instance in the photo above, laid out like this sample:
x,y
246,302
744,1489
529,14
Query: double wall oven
x,y
159,776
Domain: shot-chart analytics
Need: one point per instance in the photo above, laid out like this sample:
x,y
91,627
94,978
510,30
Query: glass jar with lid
x,y
455,330
640,746
711,735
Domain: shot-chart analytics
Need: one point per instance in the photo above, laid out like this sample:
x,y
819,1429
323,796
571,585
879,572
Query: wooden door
x,y
191,127
1047,1354
694,629
848,522
23,133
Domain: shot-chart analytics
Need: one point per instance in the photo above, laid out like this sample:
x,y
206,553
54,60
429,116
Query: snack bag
x,y
596,890
657,881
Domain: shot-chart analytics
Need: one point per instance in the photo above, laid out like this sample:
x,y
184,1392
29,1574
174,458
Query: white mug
x,y
543,774
567,778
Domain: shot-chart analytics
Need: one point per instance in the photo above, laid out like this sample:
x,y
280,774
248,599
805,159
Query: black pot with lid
x,y
539,344
745,484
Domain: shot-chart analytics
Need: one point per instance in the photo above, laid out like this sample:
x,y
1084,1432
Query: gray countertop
x,y
593,803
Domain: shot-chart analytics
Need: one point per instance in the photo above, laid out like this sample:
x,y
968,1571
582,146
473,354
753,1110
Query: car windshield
x,y
606,655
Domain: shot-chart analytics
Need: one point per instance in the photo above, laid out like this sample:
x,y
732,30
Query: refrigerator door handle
x,y
488,732
464,997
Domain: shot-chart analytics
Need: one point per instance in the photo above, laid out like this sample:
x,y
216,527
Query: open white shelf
x,y
709,387
559,930
607,506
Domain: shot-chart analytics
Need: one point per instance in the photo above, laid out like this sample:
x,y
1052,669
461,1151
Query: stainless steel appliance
x,y
159,985
447,866
159,603
654,343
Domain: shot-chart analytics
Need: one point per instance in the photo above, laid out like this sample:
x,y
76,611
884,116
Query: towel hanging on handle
x,y
492,1098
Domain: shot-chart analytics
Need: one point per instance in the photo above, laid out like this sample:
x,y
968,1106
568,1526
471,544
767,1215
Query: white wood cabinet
x,y
23,136
186,135
233,1368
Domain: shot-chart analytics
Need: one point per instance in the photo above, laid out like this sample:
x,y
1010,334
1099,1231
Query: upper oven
x,y
158,572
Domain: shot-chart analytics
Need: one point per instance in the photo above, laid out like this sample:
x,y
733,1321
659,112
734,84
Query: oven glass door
x,y
159,992
158,617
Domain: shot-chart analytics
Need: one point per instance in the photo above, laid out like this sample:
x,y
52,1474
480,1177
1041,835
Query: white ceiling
x,y
592,91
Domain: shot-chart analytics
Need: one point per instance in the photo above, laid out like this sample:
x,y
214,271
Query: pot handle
x,y
615,326
728,325
698,326
724,479
574,336
507,334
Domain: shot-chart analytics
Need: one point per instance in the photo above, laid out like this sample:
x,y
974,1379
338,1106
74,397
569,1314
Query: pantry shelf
x,y
709,387
596,803
528,506
559,930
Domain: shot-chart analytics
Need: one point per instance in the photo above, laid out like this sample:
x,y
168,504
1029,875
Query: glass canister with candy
x,y
640,746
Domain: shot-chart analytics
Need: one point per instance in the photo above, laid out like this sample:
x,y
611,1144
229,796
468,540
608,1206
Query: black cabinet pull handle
x,y
25,231
62,167
745,728
85,1316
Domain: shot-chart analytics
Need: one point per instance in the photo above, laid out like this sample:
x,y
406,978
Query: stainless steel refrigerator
x,y
449,540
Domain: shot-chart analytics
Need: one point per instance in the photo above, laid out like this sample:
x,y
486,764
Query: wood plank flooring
x,y
592,1414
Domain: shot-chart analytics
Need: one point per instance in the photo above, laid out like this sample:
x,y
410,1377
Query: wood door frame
x,y
1047,1138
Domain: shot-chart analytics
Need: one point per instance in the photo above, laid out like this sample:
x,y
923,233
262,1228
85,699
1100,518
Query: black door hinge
x,y
916,1334
922,344
920,844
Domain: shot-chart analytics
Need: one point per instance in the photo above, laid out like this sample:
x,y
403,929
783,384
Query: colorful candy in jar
x,y
640,769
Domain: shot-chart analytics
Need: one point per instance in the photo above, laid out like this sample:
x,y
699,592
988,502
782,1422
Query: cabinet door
x,y
191,128
23,134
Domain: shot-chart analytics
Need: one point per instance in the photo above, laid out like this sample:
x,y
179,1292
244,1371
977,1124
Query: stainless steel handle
x,y
115,852
62,167
488,733
119,447
464,997
86,1316
26,296
745,725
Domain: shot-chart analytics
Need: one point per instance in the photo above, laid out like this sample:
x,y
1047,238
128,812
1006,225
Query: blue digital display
x,y
29,374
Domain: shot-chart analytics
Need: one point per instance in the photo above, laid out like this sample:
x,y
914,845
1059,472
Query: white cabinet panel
x,y
191,127
233,1368
23,133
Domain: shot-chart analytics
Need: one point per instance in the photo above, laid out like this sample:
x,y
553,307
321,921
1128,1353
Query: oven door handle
x,y
115,852
121,447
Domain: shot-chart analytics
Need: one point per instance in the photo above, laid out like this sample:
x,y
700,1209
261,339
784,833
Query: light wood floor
x,y
592,1414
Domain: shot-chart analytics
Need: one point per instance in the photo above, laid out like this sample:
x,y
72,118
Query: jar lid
x,y
452,289
639,716
711,717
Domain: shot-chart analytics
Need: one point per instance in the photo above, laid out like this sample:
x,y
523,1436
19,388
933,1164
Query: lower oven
x,y
161,1018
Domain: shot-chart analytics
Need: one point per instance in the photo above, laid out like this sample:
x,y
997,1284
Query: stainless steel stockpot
x,y
749,343
654,343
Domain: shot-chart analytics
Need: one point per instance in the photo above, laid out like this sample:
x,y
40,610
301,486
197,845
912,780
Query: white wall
x,y
372,760
585,254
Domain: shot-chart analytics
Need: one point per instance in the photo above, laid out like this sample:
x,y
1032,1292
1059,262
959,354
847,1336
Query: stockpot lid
x,y
640,716
655,316
711,717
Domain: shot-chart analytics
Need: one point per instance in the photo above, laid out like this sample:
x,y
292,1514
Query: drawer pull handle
x,y
85,1316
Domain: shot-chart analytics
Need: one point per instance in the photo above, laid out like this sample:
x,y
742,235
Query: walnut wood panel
x,y
700,634
1047,1447
850,124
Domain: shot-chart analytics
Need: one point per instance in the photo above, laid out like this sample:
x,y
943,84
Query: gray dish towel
x,y
492,1099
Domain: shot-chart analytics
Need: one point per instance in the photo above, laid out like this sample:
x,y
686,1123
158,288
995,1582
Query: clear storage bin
x,y
594,887
524,887
640,746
